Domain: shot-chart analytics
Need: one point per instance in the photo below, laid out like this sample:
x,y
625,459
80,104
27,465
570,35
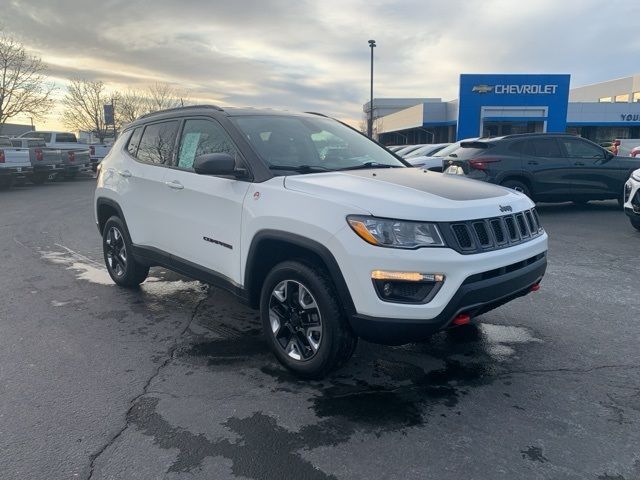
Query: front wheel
x,y
303,321
121,265
635,222
518,186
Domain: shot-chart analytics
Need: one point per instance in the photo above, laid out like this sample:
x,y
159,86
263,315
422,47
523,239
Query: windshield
x,y
309,144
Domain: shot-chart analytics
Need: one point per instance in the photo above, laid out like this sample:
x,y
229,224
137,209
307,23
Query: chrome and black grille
x,y
476,236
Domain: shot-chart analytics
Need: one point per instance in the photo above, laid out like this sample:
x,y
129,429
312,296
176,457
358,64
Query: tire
x,y
327,342
124,270
518,186
635,222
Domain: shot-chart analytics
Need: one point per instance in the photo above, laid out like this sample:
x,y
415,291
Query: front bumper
x,y
478,294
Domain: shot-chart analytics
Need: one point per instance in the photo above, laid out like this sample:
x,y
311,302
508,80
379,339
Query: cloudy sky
x,y
313,55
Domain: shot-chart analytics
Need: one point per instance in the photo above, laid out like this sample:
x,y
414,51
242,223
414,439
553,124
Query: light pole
x,y
372,45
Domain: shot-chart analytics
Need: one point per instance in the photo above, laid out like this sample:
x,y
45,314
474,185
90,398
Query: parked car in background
x,y
433,162
75,156
46,162
407,149
546,167
395,148
97,152
632,199
426,150
14,163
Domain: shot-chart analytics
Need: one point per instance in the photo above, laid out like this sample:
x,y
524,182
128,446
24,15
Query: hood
x,y
411,193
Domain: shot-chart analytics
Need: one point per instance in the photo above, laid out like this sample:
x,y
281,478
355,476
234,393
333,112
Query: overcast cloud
x,y
313,55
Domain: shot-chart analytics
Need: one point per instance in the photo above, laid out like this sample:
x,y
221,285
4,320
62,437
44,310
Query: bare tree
x,y
129,106
24,89
84,107
163,95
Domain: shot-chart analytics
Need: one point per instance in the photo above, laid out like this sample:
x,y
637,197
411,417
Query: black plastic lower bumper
x,y
631,213
478,294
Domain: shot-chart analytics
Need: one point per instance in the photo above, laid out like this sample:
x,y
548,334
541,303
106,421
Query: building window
x,y
636,96
622,98
605,99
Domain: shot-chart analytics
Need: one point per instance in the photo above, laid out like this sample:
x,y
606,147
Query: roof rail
x,y
537,134
215,107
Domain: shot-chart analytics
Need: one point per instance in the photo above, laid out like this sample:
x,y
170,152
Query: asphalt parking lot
x,y
173,381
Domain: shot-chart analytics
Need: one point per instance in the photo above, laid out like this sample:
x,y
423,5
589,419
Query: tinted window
x,y
15,143
5,142
543,147
132,146
36,143
200,137
581,149
65,137
156,144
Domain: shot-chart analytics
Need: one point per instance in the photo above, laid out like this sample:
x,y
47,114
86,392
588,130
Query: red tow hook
x,y
535,288
462,319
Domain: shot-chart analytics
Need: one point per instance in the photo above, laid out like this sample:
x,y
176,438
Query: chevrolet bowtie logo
x,y
482,88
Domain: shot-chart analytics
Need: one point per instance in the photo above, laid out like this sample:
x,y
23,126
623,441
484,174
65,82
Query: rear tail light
x,y
482,163
1,156
92,150
39,155
72,157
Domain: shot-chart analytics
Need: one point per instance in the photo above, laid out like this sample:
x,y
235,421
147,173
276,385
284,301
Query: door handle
x,y
175,185
124,173
533,163
579,164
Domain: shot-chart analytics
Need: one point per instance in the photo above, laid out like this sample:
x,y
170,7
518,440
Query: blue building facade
x,y
504,104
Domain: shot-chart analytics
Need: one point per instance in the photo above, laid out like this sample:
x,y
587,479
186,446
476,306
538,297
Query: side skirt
x,y
154,257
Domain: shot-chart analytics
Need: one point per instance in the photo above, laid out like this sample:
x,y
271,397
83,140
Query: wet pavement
x,y
173,381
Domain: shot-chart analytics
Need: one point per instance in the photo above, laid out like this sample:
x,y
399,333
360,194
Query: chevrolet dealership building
x,y
493,105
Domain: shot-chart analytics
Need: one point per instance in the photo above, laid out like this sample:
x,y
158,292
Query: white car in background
x,y
427,150
632,199
407,150
433,162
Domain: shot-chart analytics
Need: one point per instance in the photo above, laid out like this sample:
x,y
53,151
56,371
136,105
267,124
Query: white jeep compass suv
x,y
329,234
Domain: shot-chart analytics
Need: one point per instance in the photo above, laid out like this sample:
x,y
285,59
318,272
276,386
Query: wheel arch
x,y
270,247
519,177
106,208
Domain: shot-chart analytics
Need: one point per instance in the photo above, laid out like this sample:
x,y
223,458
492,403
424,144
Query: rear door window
x,y
157,142
543,147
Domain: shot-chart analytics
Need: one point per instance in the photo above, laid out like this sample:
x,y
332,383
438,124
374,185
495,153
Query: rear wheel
x,y
518,186
121,265
303,321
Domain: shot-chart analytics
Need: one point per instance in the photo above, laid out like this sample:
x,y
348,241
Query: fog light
x,y
406,287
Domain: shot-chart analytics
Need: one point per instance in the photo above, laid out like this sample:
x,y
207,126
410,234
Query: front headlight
x,y
385,232
636,175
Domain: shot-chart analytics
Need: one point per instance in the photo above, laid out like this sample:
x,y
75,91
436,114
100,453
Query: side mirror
x,y
215,164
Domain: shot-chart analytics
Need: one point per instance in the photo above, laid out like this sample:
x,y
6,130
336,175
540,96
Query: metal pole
x,y
372,44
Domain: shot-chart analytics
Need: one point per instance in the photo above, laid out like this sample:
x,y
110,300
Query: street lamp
x,y
372,45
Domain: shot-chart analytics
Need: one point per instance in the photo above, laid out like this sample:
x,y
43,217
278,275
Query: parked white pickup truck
x,y
14,163
78,154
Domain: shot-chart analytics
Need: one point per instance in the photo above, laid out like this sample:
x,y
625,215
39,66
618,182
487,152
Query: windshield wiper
x,y
367,165
300,168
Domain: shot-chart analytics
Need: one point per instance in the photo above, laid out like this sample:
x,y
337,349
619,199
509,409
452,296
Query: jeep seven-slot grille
x,y
475,236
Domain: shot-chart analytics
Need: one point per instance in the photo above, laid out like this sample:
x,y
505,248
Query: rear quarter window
x,y
465,153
